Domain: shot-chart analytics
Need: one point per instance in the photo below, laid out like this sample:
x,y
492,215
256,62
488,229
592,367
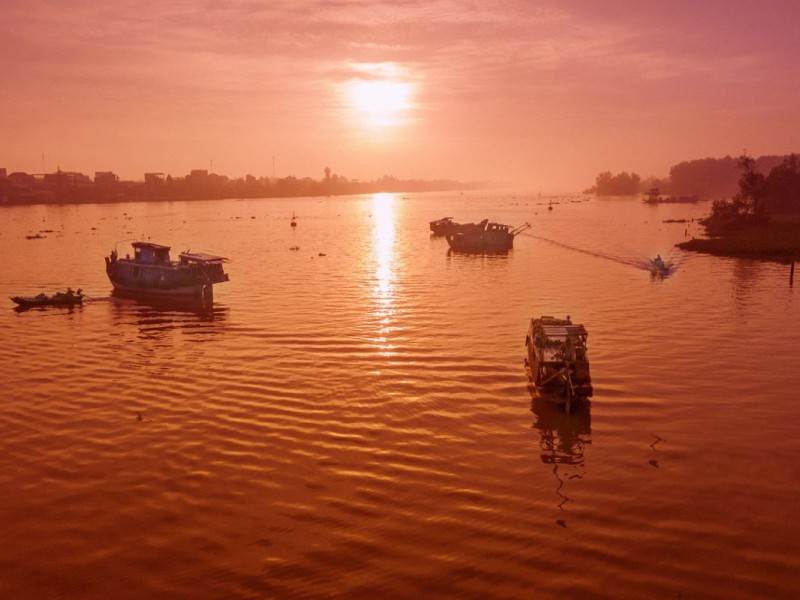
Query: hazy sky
x,y
542,93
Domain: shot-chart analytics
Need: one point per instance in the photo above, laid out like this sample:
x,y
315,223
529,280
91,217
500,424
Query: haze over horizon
x,y
543,94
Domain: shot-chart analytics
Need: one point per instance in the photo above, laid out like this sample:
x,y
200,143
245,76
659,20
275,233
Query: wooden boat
x,y
151,272
441,226
558,365
484,237
68,298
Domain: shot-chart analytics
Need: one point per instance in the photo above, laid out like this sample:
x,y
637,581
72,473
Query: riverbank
x,y
777,241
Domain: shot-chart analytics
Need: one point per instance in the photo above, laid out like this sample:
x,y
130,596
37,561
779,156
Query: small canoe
x,y
58,299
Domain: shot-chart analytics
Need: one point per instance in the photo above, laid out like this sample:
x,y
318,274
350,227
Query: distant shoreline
x,y
200,198
65,188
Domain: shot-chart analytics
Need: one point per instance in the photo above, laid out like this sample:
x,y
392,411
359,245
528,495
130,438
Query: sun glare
x,y
380,103
383,212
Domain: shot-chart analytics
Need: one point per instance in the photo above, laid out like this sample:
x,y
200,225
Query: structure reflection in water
x,y
199,306
69,309
156,318
563,440
488,256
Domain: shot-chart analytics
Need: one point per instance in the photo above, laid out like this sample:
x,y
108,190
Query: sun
x,y
380,103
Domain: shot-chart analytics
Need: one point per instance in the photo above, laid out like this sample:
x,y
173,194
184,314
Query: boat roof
x,y
564,331
149,245
202,257
558,328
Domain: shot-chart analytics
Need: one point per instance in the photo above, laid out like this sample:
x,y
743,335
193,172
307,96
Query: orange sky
x,y
544,94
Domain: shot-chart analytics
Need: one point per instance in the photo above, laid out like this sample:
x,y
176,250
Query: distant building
x,y
66,178
5,189
153,178
105,178
22,180
25,188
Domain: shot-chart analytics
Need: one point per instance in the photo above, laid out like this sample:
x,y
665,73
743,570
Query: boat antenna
x,y
120,241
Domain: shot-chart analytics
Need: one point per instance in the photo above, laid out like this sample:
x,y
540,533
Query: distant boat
x,y
486,236
441,226
653,197
68,298
151,272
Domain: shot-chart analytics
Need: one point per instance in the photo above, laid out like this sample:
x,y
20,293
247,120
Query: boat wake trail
x,y
639,264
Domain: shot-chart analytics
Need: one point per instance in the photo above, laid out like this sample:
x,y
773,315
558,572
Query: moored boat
x,y
653,197
558,365
151,272
68,298
441,226
485,236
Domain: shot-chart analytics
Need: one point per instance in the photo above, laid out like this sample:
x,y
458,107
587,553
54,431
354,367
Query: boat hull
x,y
189,291
164,280
496,242
483,238
27,302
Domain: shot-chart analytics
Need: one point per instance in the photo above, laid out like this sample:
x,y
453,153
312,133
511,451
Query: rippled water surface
x,y
352,419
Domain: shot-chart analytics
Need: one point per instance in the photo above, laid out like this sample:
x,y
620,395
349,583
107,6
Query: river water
x,y
352,418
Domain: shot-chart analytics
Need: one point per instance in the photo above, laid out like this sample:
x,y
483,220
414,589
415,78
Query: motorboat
x,y
659,267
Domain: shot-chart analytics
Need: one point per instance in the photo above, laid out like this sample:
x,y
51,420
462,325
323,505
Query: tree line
x,y
715,178
75,188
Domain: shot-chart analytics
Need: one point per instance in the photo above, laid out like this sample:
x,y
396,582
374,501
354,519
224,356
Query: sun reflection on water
x,y
383,212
